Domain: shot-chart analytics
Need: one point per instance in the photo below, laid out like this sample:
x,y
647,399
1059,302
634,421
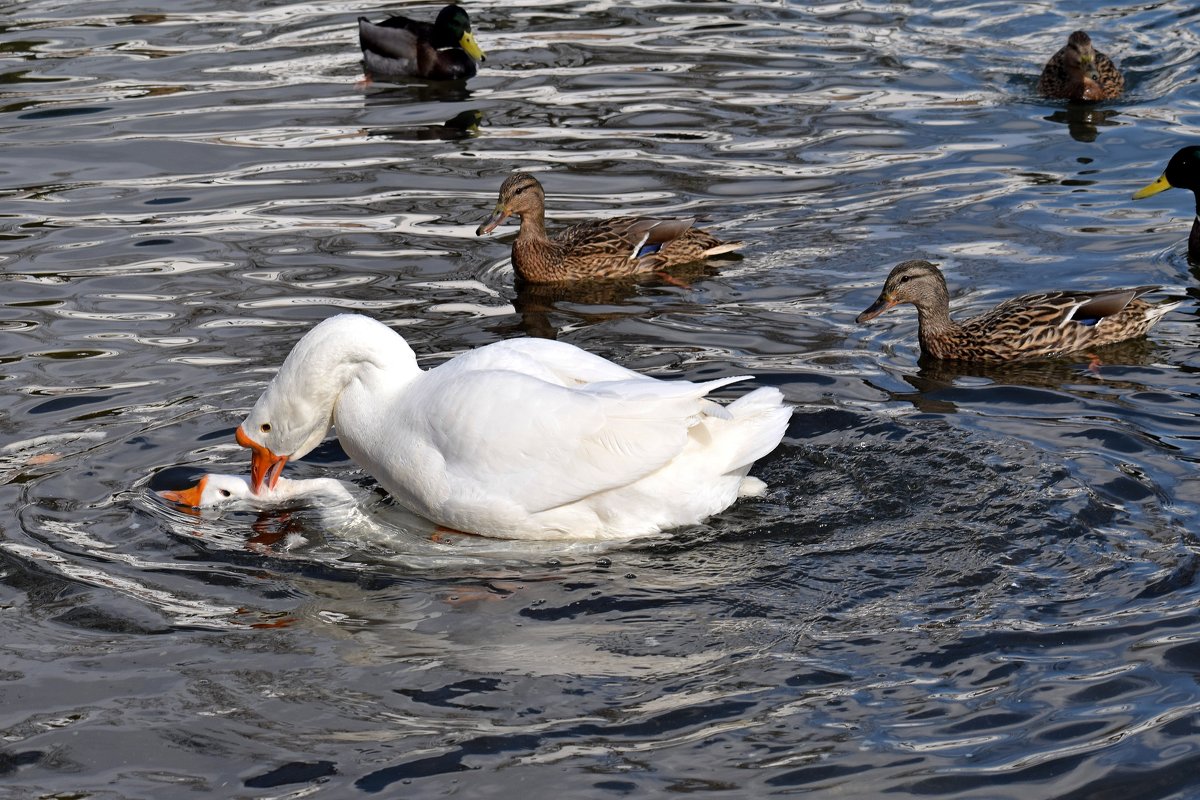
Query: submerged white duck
x,y
521,439
220,491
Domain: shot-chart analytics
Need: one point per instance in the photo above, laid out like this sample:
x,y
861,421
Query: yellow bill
x,y
468,43
1160,185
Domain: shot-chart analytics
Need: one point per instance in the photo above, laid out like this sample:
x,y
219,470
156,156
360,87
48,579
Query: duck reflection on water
x,y
943,387
544,310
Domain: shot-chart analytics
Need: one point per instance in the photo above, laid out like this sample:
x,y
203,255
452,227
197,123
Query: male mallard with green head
x,y
1183,172
400,47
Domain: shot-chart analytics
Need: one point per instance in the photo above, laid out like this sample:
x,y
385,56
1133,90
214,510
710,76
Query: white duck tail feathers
x,y
759,421
751,487
711,407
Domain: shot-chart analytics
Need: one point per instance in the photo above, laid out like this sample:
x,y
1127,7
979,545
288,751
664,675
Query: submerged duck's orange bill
x,y
186,497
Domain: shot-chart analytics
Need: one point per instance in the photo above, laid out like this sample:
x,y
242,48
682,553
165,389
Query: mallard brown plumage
x,y
1031,326
1183,172
1080,72
596,249
400,47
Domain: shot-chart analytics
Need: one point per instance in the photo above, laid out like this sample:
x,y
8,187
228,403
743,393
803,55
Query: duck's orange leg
x,y
671,280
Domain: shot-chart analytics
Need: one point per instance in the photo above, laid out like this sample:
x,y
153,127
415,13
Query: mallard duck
x,y
1080,72
403,47
519,439
1183,172
218,491
596,249
1030,326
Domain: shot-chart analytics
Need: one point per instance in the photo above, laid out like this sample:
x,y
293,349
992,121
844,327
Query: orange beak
x,y
187,497
265,466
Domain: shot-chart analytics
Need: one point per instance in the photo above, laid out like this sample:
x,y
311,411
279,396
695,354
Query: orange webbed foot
x,y
671,280
441,534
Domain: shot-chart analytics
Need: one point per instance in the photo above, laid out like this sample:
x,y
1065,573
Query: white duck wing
x,y
555,362
530,442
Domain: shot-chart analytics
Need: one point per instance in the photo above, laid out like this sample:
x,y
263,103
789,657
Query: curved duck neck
x,y
533,226
340,349
374,374
536,257
933,319
934,312
935,326
345,358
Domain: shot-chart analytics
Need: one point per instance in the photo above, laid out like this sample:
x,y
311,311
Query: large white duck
x,y
521,439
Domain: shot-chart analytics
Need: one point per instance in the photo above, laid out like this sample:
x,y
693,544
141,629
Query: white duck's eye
x,y
224,492
265,427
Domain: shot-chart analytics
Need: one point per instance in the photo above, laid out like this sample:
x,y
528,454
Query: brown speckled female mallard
x,y
401,47
1183,172
1030,326
1080,72
596,249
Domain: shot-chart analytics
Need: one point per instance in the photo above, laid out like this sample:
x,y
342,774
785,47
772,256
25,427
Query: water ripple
x,y
964,581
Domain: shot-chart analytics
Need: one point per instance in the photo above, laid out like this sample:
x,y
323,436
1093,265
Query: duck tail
x,y
759,422
1157,311
723,247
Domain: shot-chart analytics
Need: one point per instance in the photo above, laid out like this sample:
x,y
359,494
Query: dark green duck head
x,y
916,282
1183,172
520,194
452,28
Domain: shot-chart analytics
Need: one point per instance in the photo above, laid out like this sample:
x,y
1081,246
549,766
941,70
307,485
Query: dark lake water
x,y
970,583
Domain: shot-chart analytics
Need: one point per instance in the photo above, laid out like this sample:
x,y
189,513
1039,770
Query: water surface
x,y
967,582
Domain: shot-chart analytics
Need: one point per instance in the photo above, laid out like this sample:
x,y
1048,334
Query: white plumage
x,y
523,439
215,490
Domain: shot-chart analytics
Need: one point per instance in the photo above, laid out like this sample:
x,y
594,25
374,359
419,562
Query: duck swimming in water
x,y
597,249
1030,326
520,439
1080,72
1183,172
400,47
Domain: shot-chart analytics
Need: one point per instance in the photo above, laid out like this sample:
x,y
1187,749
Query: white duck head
x,y
296,411
219,491
212,491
